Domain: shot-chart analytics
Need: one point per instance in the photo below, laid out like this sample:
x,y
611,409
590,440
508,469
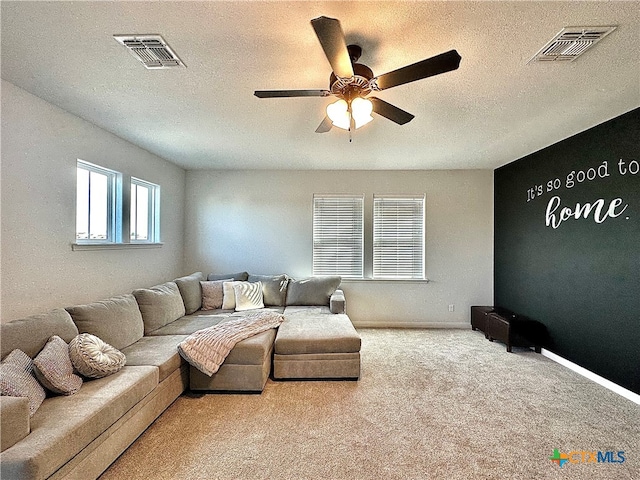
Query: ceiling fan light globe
x,y
338,112
361,109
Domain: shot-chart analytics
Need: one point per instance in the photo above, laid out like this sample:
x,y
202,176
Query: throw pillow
x,y
312,291
94,358
228,296
248,296
54,370
213,294
17,380
238,277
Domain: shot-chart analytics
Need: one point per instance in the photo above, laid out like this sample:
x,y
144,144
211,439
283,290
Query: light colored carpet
x,y
430,404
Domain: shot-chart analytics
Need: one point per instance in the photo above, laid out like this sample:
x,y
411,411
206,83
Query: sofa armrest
x,y
14,420
337,302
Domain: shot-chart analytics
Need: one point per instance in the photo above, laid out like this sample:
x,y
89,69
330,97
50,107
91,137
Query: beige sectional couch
x,y
80,435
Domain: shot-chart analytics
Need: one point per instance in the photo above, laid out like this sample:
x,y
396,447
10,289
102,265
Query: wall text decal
x,y
598,210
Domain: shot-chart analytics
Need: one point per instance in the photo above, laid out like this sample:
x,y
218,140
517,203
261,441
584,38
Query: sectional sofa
x,y
81,434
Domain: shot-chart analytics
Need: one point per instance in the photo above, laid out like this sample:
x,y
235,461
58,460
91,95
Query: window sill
x,y
113,246
385,280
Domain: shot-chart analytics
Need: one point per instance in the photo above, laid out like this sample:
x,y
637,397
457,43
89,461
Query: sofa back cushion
x,y
32,333
312,291
116,320
160,305
191,291
274,288
238,277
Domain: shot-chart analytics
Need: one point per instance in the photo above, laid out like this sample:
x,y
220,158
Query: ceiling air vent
x,y
151,50
570,43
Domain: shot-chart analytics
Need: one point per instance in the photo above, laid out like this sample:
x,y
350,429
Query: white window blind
x,y
398,237
338,239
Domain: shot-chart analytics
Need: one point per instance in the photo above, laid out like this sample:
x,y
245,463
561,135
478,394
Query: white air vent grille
x,y
151,50
570,43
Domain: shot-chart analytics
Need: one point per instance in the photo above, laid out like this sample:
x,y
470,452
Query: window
x,y
95,203
144,211
338,240
398,237
104,216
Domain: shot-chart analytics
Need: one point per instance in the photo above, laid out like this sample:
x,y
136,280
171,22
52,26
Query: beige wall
x,y
40,146
262,222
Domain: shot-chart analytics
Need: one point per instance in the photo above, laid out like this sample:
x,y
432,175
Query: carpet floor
x,y
430,404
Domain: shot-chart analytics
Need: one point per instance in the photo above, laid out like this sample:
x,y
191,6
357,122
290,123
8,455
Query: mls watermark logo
x,y
587,456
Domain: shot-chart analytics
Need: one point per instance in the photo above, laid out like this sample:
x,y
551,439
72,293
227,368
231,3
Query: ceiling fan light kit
x,y
352,82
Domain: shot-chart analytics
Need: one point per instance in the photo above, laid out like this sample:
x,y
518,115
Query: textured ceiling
x,y
494,109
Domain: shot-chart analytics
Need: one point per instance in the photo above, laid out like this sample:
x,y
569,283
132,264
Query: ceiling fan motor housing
x,y
357,86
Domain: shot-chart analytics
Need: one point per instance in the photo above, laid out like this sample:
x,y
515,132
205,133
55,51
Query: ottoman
x,y
246,369
314,343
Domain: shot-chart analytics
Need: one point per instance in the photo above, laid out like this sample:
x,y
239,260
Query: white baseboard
x,y
456,325
614,387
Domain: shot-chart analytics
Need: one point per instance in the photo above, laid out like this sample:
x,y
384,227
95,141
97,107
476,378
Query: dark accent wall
x,y
567,246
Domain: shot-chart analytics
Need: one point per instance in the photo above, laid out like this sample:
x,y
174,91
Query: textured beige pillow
x,y
213,294
248,296
54,370
17,380
94,358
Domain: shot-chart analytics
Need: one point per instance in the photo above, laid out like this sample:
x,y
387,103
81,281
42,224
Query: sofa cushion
x,y
212,294
239,277
17,379
54,370
192,323
311,330
160,351
274,288
65,425
312,291
116,320
94,358
252,350
159,305
248,296
191,291
32,333
14,421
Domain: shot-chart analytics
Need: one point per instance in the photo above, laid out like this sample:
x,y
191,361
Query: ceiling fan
x,y
352,82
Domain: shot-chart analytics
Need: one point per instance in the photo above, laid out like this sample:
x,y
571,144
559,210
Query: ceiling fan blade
x,y
331,37
291,93
325,126
391,112
445,62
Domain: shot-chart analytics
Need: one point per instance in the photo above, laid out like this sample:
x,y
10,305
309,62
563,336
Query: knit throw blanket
x,y
207,349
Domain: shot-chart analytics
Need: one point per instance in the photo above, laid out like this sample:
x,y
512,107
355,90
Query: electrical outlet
x,y
452,307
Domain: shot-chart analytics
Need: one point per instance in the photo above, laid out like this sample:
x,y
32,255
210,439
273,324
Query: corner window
x,y
95,203
338,239
144,210
398,237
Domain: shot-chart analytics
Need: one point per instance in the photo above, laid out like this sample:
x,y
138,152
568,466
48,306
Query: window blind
x,y
398,237
338,239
